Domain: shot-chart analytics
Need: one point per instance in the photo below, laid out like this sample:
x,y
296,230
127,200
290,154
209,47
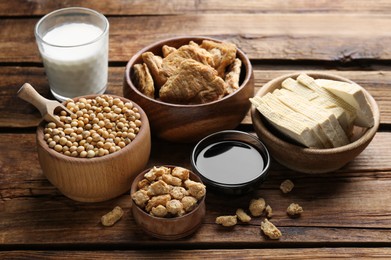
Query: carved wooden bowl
x,y
190,123
310,160
99,178
168,228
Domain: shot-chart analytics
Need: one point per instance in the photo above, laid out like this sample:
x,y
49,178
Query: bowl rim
x,y
244,58
367,135
133,189
144,129
262,174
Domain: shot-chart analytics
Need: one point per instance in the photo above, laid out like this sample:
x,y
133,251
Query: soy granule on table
x,y
243,216
227,221
257,206
270,230
269,211
287,186
112,217
294,210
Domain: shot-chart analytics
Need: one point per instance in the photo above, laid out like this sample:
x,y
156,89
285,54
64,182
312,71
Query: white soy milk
x,y
75,57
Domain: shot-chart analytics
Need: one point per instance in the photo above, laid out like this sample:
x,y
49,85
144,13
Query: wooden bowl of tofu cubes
x,y
314,122
168,202
190,86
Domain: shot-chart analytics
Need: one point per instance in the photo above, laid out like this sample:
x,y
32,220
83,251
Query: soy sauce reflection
x,y
230,162
223,147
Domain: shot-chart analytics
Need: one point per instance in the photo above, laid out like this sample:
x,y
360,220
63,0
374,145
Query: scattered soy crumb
x,y
294,210
270,230
243,216
112,217
227,221
269,211
287,186
257,206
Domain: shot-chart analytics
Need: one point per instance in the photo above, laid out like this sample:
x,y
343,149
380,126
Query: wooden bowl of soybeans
x,y
100,149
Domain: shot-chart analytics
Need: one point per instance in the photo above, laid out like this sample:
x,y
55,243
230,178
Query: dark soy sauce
x,y
230,162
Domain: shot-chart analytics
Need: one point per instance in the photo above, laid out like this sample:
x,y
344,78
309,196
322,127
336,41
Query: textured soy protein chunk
x,y
179,193
158,188
243,216
159,211
196,189
294,210
270,230
189,203
162,194
157,200
286,186
112,217
269,211
227,221
257,206
141,198
191,74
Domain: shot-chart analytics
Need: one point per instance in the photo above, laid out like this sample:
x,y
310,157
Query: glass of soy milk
x,y
74,46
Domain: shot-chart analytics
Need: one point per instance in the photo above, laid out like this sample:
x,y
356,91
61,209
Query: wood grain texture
x,y
346,214
289,37
25,177
162,7
264,253
14,77
18,113
33,212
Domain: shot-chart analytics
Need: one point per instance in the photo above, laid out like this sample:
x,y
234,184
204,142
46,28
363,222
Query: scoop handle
x,y
29,94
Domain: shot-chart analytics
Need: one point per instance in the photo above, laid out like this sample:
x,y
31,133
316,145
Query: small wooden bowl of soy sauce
x,y
231,162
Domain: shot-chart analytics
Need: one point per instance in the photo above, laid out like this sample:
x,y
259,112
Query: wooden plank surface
x,y
286,253
18,113
350,206
262,36
346,214
162,7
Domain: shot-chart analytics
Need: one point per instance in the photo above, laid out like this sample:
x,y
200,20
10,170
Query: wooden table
x,y
346,214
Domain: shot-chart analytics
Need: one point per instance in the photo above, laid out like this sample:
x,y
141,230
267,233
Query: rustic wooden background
x,y
347,213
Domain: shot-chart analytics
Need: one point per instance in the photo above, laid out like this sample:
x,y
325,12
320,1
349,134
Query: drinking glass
x,y
74,44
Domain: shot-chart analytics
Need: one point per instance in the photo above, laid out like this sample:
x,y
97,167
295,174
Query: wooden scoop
x,y
47,108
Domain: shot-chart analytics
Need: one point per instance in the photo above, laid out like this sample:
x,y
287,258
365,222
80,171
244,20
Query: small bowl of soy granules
x,y
98,151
